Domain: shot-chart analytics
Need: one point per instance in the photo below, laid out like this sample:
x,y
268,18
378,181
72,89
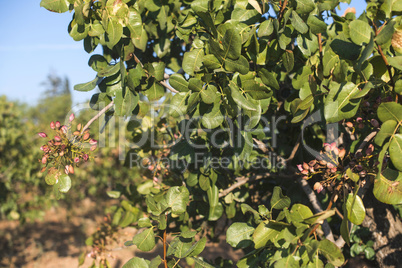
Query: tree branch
x,y
107,107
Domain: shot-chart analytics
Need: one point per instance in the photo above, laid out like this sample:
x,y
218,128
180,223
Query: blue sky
x,y
35,42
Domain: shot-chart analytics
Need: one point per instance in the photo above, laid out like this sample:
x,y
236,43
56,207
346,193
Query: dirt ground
x,y
59,239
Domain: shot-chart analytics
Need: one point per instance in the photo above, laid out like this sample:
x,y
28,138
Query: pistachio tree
x,y
233,107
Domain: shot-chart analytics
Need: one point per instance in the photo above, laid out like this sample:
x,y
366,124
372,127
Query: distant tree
x,y
56,99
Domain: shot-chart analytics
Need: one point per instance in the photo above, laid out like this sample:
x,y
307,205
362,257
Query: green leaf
x,y
304,6
246,208
345,232
231,43
369,253
134,22
64,183
136,262
188,234
59,6
215,212
52,177
179,247
211,62
113,194
239,234
367,51
109,70
154,90
98,62
159,68
247,16
398,87
204,182
395,151
386,131
145,241
331,252
240,65
298,213
278,200
288,60
388,186
128,218
177,198
213,195
178,104
339,103
266,28
268,78
360,32
299,116
134,78
178,82
386,33
319,217
395,62
308,44
155,262
264,233
141,41
213,117
239,98
125,105
353,176
345,49
78,32
356,209
208,21
144,222
316,25
298,23
196,248
202,264
307,102
192,61
208,94
390,111
195,85
114,32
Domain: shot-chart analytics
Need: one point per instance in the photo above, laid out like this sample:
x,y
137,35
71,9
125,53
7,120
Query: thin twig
x,y
107,107
165,84
366,140
294,151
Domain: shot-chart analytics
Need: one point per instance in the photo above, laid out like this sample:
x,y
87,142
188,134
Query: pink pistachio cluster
x,y
326,164
67,146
